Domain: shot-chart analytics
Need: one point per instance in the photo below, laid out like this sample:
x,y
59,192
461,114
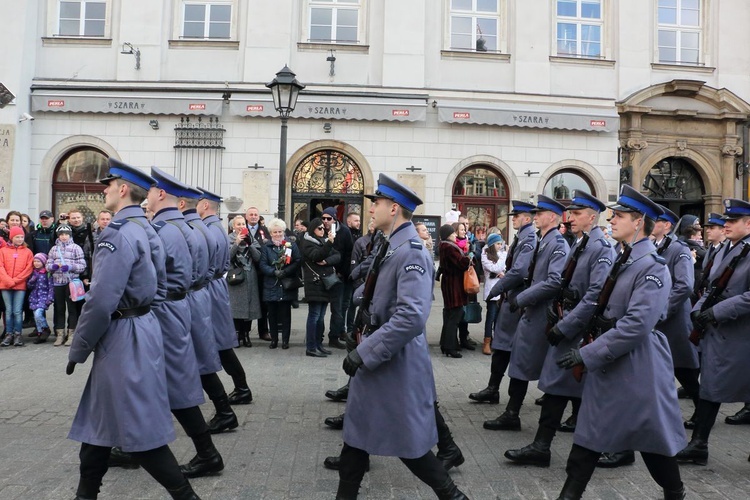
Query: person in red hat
x,y
15,267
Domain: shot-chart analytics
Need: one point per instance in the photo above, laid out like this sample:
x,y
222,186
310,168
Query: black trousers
x,y
500,362
192,421
705,417
517,391
451,318
159,462
212,385
664,469
280,316
688,378
337,323
63,302
233,367
551,416
427,467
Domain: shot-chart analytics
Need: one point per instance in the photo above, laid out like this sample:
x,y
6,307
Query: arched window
x,y
327,178
561,185
75,183
481,194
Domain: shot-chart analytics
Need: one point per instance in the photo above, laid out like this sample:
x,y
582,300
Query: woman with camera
x,y
319,259
243,297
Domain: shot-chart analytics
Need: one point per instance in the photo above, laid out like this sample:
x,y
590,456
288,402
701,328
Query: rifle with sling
x,y
717,289
598,323
664,247
362,320
567,277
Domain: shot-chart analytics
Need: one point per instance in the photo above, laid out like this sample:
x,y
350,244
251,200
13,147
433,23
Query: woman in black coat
x,y
279,259
320,257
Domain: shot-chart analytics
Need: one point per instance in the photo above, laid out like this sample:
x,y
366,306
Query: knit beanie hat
x,y
41,258
445,231
16,231
330,211
494,238
64,228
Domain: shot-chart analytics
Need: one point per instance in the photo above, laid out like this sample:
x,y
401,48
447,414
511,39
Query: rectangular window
x,y
334,21
579,28
82,18
207,20
474,25
679,35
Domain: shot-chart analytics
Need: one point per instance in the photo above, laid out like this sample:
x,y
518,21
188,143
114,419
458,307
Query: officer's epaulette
x,y
416,244
158,225
681,242
605,243
117,224
659,258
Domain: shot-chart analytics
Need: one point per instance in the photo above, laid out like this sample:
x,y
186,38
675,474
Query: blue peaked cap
x,y
734,209
668,216
173,186
120,170
631,200
582,199
393,190
521,207
208,195
546,203
714,219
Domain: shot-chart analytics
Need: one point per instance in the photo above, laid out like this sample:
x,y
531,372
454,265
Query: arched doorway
x,y
481,194
75,182
676,184
561,185
327,178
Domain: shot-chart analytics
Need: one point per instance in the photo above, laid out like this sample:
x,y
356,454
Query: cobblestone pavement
x,y
278,450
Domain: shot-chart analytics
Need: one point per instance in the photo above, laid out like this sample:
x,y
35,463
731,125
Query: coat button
x,y
610,357
604,371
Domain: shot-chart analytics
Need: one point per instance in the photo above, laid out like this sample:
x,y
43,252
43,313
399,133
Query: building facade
x,y
471,102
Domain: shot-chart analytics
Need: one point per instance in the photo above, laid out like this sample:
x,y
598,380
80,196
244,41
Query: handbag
x,y
291,283
473,312
328,281
236,275
77,290
471,281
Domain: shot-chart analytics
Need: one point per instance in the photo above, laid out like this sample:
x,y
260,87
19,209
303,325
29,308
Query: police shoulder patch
x,y
106,245
529,246
559,252
158,225
654,279
685,256
604,260
414,267
117,224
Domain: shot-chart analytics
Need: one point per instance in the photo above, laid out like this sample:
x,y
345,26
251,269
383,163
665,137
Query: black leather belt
x,y
175,296
131,313
195,288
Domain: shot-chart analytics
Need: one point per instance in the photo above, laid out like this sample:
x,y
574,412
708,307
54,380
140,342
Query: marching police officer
x,y
594,258
629,400
121,406
183,378
202,328
390,408
509,286
722,314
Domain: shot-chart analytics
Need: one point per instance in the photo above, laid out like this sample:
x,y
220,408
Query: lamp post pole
x,y
285,89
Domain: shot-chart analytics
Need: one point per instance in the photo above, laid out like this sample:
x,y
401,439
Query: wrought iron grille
x,y
198,152
673,179
328,172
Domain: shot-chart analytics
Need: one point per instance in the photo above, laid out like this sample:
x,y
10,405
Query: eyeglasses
x,y
327,218
321,228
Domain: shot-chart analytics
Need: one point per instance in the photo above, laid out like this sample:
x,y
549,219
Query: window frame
x,y
500,17
180,28
679,30
360,6
53,21
579,21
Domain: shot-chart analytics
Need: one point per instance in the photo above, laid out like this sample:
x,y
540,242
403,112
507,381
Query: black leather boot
x,y
614,460
741,417
508,421
572,490
348,490
490,394
207,461
119,458
184,492
696,451
225,419
87,489
335,422
448,451
334,463
450,491
675,494
339,394
241,396
569,425
537,453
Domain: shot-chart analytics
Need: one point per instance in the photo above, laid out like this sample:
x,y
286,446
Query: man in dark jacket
x,y
44,235
341,295
260,233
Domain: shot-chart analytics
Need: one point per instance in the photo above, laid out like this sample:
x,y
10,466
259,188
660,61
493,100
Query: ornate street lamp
x,y
285,90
